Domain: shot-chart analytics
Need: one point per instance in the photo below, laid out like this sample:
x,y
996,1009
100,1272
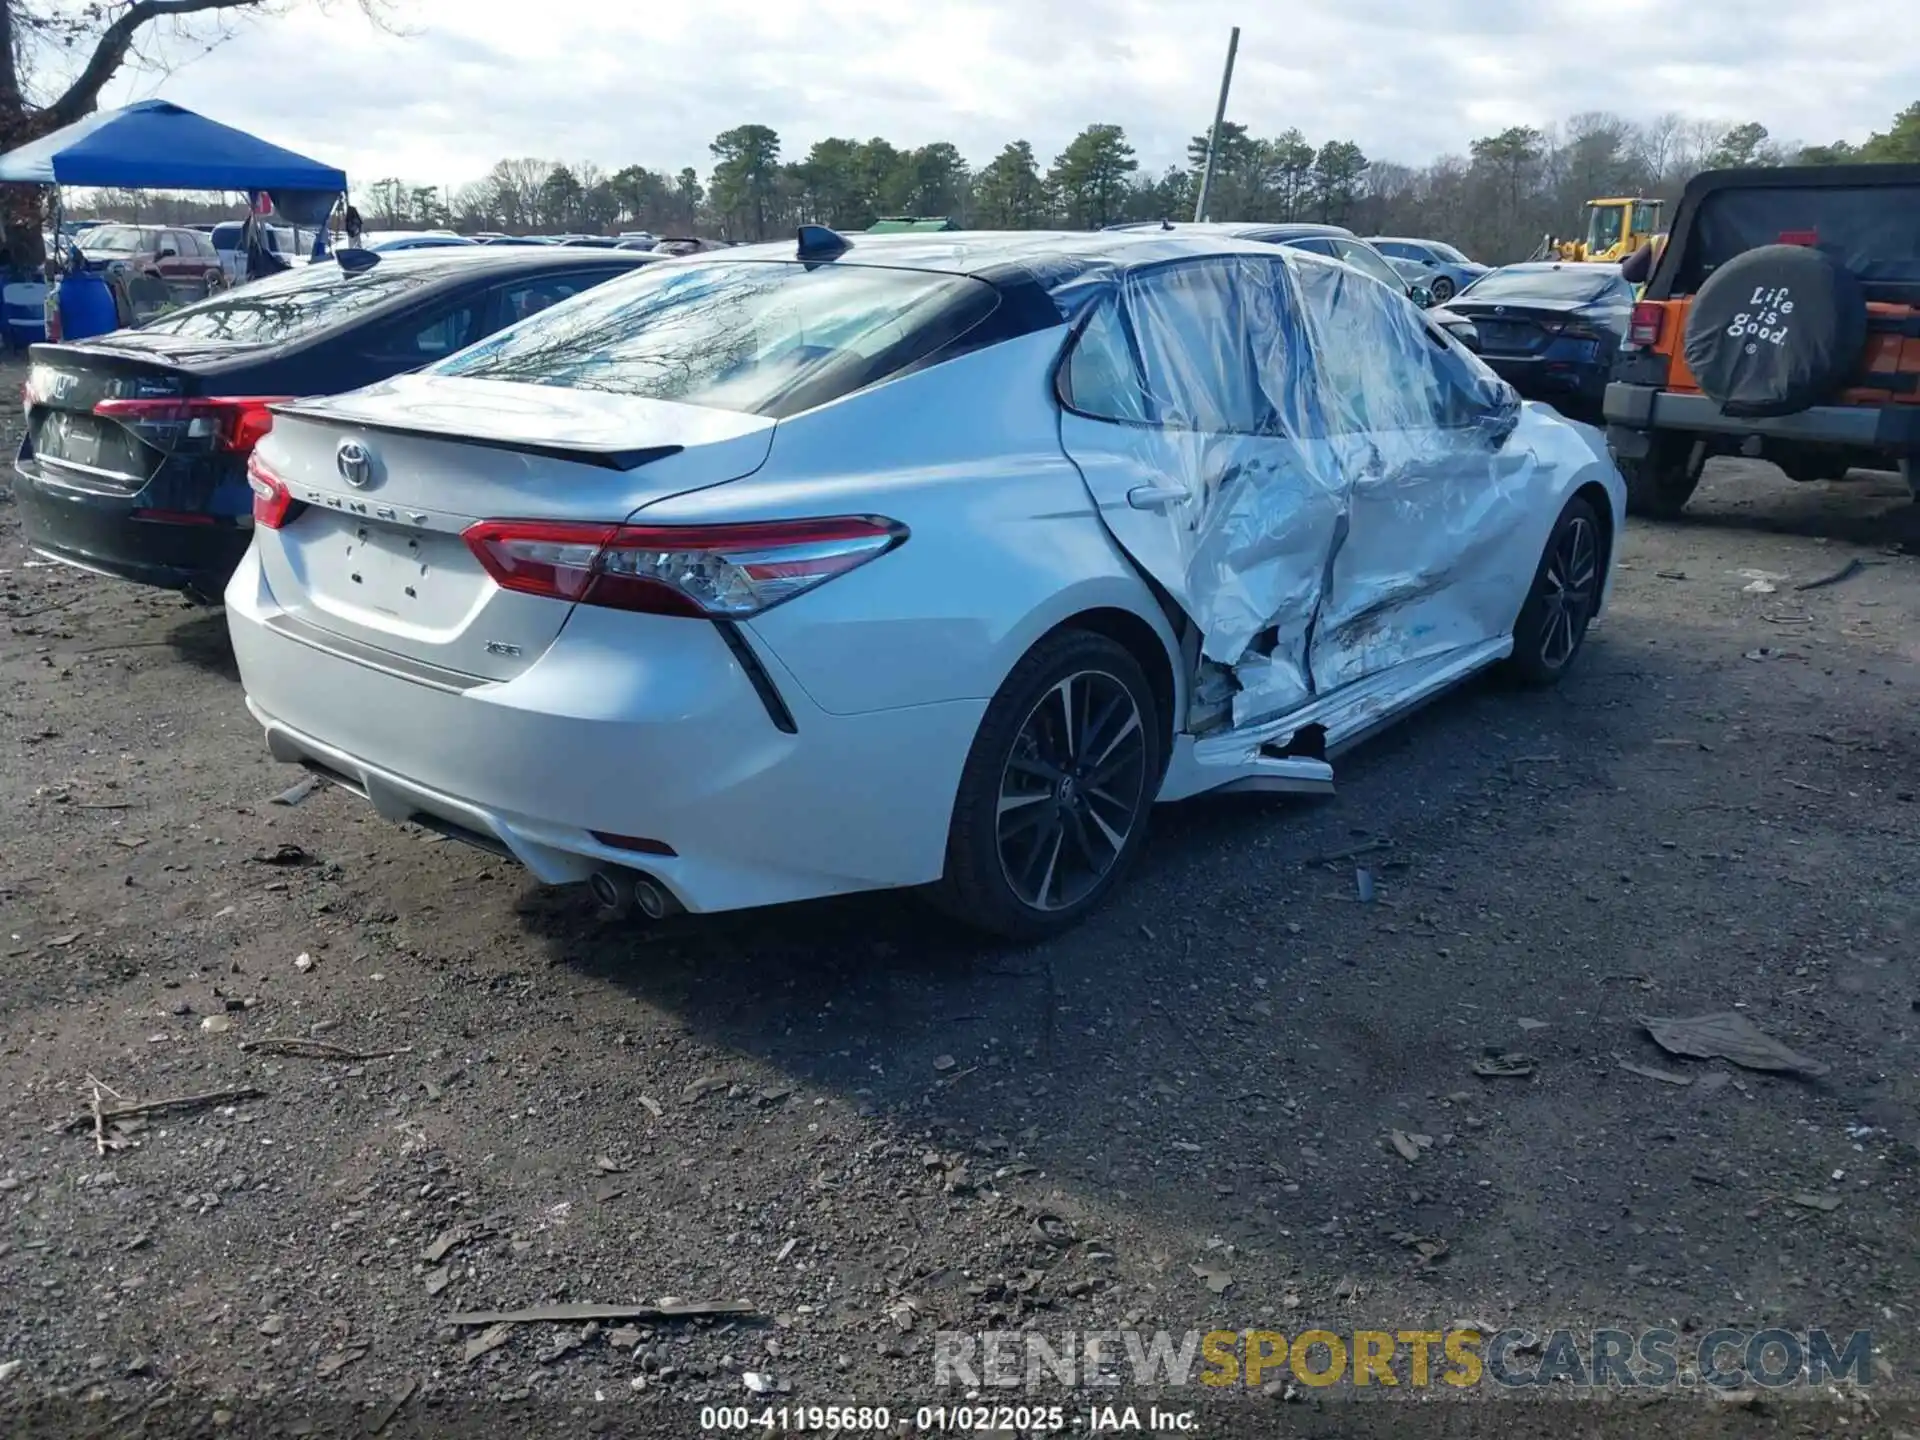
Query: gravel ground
x,y
1180,1117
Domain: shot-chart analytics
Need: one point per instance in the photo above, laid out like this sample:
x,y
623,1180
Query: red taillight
x,y
272,501
1645,326
234,423
716,572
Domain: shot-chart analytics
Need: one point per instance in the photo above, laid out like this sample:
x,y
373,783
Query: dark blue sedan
x,y
1551,330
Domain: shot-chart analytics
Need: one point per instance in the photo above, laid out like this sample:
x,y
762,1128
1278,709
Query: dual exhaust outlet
x,y
624,890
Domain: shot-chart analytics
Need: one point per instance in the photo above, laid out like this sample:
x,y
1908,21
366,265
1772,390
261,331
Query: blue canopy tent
x,y
158,145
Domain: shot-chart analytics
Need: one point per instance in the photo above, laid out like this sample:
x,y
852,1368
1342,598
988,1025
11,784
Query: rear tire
x,y
1552,626
1661,482
1052,805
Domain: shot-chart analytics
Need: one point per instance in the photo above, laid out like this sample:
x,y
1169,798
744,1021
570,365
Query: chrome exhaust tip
x,y
606,890
654,902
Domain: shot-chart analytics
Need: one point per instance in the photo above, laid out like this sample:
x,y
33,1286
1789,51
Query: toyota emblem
x,y
354,462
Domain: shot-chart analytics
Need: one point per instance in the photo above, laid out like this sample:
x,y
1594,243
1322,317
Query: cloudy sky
x,y
652,81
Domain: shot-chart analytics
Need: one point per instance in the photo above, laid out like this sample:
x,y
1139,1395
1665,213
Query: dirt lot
x,y
874,1129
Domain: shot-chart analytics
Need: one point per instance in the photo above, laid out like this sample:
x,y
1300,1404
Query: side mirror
x,y
1421,296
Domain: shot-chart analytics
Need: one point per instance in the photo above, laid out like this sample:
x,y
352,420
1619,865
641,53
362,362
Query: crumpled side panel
x,y
1343,493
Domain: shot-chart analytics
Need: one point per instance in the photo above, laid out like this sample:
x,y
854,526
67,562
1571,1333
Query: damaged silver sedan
x,y
894,561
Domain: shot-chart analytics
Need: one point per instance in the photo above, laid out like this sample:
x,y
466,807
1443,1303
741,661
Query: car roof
x,y
464,260
1535,266
1051,258
1403,240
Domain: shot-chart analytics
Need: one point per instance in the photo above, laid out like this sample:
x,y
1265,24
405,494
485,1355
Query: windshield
x,y
1604,228
117,239
763,337
292,303
1563,283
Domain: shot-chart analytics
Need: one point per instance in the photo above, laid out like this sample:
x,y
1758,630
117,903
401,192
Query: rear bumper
x,y
629,725
1545,378
1633,410
104,534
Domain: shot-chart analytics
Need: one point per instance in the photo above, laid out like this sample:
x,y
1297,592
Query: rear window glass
x,y
1872,231
292,303
1574,283
119,239
760,337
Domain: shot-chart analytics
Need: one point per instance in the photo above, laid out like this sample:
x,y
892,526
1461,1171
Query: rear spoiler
x,y
625,459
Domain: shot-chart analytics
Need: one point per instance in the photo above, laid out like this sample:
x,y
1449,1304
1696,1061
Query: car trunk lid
x,y
386,481
77,445
1519,327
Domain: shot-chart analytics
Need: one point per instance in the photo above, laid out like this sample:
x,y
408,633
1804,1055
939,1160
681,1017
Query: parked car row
x,y
927,561
134,460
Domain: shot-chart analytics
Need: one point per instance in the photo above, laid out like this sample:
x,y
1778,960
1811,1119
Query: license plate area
x,y
394,578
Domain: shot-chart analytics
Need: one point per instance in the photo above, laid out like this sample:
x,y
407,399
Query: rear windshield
x,y
1873,231
292,303
118,239
761,337
1575,283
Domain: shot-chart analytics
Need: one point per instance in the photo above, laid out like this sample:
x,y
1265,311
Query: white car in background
x,y
913,560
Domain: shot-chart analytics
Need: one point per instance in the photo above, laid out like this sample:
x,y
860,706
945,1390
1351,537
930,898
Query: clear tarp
x,y
1327,483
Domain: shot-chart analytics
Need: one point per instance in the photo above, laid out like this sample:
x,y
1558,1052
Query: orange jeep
x,y
1781,321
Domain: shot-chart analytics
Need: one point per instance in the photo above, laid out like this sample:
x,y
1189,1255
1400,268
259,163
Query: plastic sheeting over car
x,y
1325,482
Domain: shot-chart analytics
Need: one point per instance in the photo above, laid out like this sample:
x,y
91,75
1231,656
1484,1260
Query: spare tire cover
x,y
1776,330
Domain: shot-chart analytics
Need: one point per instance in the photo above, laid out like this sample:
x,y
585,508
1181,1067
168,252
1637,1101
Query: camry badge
x,y
354,463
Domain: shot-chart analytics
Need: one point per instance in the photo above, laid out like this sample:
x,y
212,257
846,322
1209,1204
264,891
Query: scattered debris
x,y
297,793
944,1062
438,1280
1404,1143
1429,1251
1363,884
903,1313
1216,1280
392,1407
607,1165
111,1113
453,1237
298,1047
1503,1065
486,1342
653,1106
1729,1035
1352,852
9,1368
216,1024
575,1314
786,1249
332,1365
1844,573
1053,1230
1670,574
1666,1077
303,962
61,942
756,1382
273,1325
285,854
1528,1024
1816,1202
1760,587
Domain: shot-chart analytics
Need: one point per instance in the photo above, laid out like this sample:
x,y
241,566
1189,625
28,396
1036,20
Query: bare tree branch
x,y
113,47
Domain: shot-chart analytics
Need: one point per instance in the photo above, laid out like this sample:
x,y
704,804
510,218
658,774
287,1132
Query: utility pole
x,y
1213,135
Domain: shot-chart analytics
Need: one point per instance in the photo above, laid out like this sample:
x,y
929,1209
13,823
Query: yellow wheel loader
x,y
1615,229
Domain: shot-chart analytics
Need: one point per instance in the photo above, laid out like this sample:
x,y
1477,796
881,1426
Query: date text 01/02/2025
x,y
944,1419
